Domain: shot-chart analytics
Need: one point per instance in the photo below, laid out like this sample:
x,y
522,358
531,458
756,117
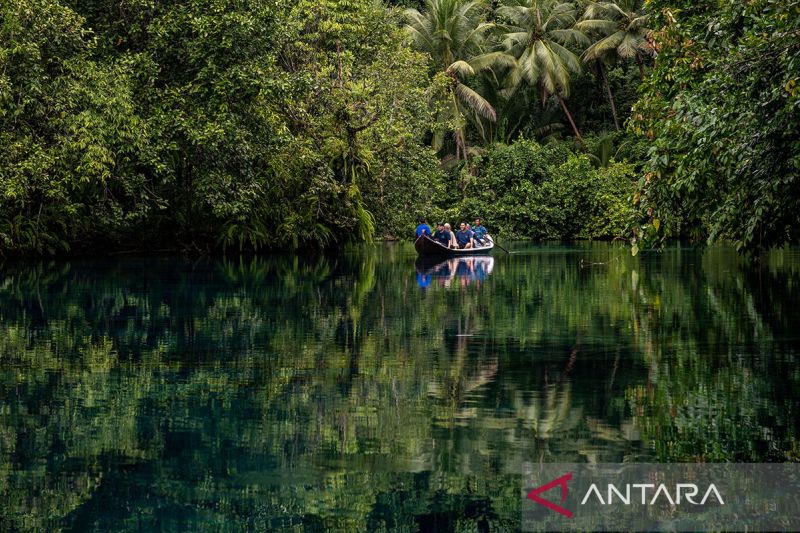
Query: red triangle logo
x,y
562,482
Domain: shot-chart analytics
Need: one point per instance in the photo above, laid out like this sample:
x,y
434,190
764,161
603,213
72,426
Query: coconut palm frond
x,y
508,12
602,47
475,102
516,38
637,23
547,28
571,61
629,46
561,16
461,68
470,8
455,34
490,60
569,37
596,26
412,15
614,8
549,68
443,34
593,11
479,31
559,7
513,79
530,68
621,26
419,38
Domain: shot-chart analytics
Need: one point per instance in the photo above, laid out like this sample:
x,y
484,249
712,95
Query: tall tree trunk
x,y
608,93
458,133
641,66
569,116
461,146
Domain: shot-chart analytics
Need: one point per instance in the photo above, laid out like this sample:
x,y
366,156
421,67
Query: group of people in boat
x,y
466,237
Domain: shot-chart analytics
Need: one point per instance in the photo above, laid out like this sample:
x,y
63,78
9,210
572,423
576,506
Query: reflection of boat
x,y
427,246
465,269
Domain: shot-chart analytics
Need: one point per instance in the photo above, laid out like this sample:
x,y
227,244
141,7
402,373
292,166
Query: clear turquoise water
x,y
356,393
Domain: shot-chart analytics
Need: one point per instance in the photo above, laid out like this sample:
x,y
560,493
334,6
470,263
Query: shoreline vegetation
x,y
211,126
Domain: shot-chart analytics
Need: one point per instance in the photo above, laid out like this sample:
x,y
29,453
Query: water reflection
x,y
331,393
453,271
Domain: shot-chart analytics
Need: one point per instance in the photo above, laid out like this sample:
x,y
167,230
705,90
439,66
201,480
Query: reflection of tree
x,y
289,393
720,352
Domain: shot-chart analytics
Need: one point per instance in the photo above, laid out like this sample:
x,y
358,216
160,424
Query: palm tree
x,y
537,36
619,26
621,23
454,34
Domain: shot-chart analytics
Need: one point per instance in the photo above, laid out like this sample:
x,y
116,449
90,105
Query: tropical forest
x,y
209,126
223,307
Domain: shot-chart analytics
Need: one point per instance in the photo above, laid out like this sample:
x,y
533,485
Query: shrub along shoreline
x,y
212,126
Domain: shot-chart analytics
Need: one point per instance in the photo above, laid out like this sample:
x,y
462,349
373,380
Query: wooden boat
x,y
428,247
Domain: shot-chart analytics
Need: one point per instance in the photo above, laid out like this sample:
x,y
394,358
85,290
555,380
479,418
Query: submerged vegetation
x,y
210,125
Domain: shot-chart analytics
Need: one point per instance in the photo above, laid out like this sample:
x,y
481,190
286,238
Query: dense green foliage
x,y
722,111
547,192
218,124
206,123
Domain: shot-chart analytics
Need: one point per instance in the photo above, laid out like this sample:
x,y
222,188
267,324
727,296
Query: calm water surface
x,y
370,392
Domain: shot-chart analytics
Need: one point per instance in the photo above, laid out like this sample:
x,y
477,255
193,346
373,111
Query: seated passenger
x,y
472,239
464,236
453,242
479,231
441,235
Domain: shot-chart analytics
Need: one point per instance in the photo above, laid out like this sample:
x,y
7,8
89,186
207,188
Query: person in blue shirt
x,y
479,231
464,236
441,235
423,229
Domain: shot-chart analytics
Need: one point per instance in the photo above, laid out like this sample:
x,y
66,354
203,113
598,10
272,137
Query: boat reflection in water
x,y
453,271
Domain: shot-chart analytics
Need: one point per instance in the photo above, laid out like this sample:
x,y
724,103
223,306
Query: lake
x,y
368,391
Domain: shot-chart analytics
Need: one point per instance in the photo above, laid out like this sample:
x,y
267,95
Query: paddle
x,y
498,245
